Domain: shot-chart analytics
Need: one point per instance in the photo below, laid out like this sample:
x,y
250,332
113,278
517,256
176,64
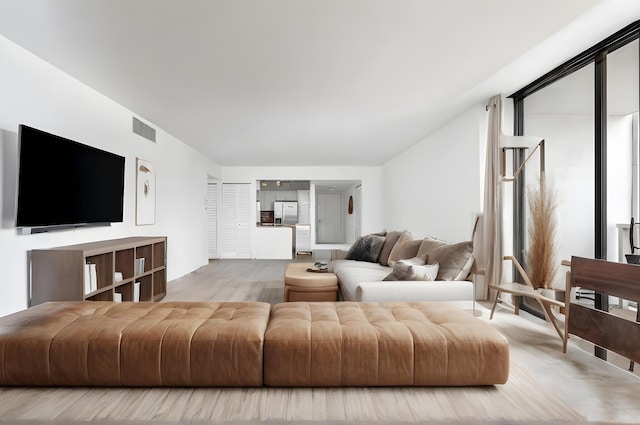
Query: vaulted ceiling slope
x,y
313,82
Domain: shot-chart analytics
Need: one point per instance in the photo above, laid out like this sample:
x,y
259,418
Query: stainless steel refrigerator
x,y
285,212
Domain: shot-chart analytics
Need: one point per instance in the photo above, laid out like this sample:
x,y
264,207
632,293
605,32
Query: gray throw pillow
x,y
366,248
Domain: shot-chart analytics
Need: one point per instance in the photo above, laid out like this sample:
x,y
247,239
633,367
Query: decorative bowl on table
x,y
320,265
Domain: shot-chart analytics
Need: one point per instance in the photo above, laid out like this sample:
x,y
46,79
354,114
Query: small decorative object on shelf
x,y
90,278
139,266
136,291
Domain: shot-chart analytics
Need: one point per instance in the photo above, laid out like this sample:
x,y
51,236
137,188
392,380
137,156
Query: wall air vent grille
x,y
144,130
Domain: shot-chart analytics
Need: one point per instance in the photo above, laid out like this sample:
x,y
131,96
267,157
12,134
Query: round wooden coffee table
x,y
302,285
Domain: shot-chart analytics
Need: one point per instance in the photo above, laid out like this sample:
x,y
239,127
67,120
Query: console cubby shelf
x,y
88,271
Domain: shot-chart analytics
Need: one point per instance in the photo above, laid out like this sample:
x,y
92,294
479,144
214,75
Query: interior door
x,y
212,219
236,216
329,216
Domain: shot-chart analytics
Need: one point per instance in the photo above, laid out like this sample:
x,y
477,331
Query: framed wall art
x,y
145,193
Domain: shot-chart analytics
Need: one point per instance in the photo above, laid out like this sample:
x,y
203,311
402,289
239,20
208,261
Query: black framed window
x,y
596,55
599,88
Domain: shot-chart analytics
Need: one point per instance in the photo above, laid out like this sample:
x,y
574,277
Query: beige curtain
x,y
492,250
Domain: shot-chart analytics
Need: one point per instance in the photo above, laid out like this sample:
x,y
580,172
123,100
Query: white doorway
x,y
329,218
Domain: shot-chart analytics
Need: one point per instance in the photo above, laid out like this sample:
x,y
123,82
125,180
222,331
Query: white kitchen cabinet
x,y
273,243
303,238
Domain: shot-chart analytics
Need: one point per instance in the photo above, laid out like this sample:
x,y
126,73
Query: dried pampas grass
x,y
541,257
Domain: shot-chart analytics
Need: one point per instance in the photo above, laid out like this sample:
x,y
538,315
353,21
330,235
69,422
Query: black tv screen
x,y
65,183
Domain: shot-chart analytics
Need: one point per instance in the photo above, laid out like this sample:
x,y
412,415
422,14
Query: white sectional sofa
x,y
382,267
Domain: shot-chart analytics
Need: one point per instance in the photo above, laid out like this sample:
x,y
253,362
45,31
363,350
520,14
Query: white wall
x,y
434,188
37,94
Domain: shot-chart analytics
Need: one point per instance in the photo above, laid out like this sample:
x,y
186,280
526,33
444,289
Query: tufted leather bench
x,y
94,343
381,344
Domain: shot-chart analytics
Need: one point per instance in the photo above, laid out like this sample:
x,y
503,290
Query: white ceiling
x,y
302,82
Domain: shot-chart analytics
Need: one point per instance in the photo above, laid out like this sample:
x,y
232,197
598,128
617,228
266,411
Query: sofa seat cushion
x,y
93,343
351,273
337,266
381,344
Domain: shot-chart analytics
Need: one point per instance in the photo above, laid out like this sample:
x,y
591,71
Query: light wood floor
x,y
545,386
595,389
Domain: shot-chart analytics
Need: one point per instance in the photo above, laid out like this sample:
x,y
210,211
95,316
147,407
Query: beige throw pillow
x,y
390,241
406,247
455,259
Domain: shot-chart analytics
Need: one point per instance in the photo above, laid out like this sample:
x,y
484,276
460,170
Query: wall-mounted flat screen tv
x,y
63,183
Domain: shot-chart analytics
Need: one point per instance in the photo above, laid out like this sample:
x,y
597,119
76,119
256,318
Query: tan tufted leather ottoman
x,y
381,344
95,343
301,285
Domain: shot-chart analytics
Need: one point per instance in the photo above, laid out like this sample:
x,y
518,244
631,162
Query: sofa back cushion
x,y
455,259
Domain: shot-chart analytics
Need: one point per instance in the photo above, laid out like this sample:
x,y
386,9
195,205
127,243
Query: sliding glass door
x,y
563,114
587,111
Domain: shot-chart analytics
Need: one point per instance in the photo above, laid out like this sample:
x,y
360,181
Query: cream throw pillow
x,y
413,269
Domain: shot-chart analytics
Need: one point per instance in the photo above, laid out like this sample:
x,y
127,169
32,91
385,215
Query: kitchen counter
x,y
273,242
